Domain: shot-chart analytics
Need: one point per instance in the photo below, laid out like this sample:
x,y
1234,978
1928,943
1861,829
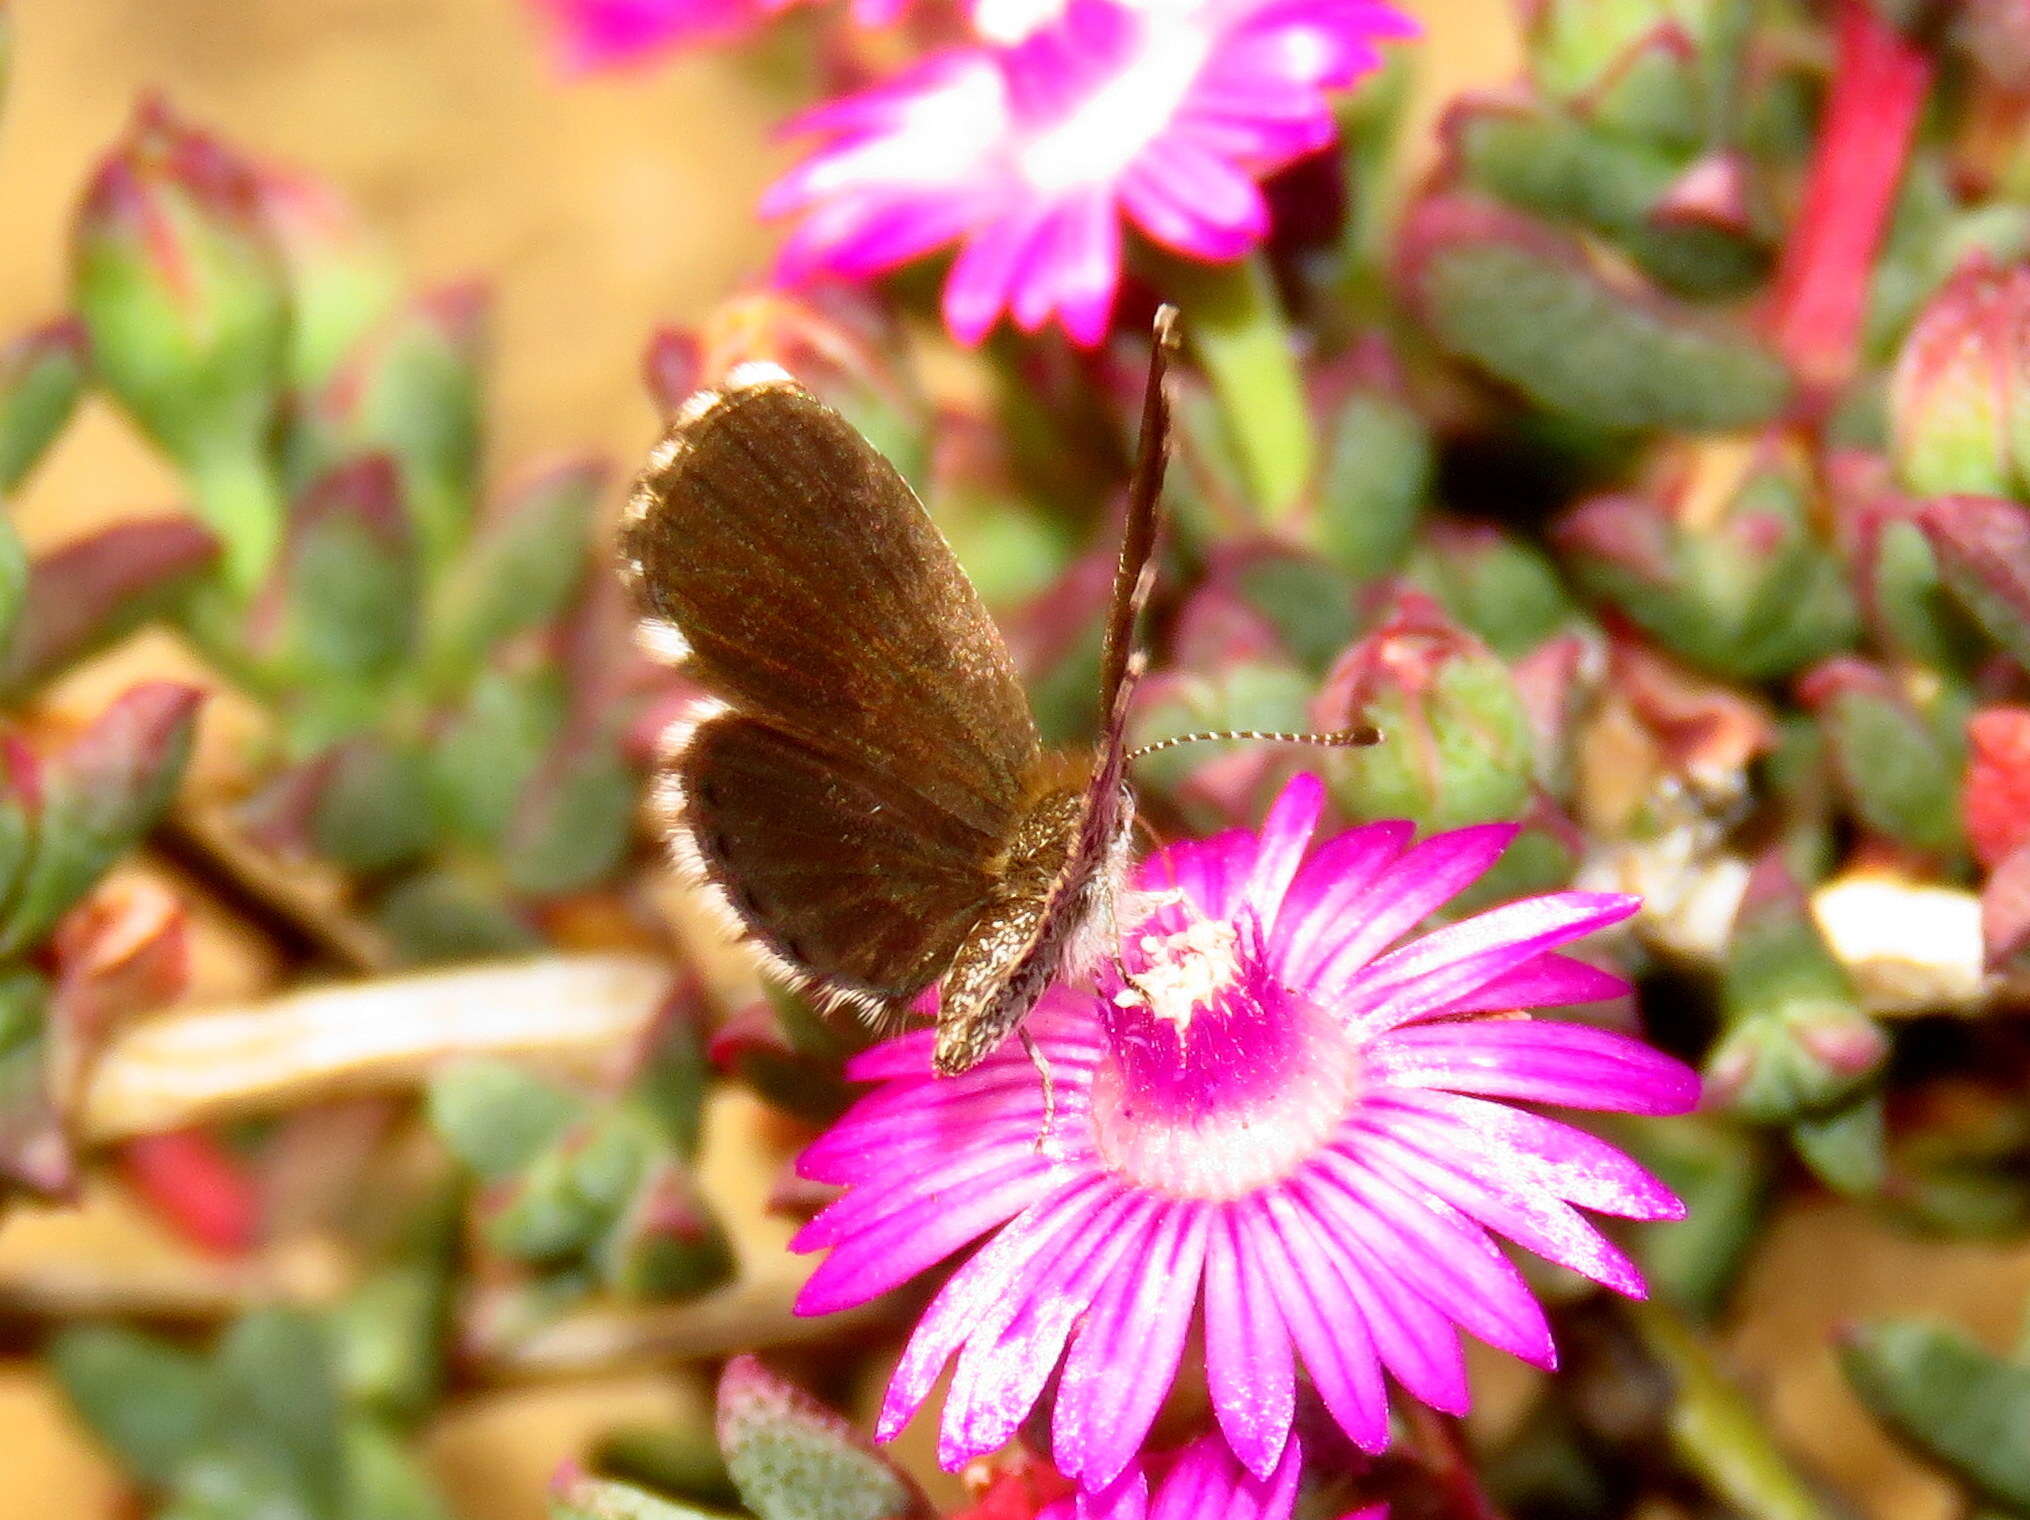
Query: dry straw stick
x,y
183,1068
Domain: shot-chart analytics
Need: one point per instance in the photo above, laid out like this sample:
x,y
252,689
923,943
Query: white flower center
x,y
1219,1081
1098,139
1186,971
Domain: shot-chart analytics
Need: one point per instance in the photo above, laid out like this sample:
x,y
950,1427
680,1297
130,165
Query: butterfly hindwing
x,y
841,873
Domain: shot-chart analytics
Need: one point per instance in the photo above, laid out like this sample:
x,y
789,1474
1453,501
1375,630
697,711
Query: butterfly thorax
x,y
1044,920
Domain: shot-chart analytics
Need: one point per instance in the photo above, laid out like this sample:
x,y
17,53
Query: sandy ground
x,y
598,210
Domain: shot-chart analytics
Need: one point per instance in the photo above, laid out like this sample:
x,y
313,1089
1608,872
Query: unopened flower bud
x,y
1898,764
1959,399
181,288
1797,1040
1457,746
410,390
1721,560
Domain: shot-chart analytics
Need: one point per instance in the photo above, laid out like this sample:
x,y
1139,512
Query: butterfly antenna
x,y
1145,490
1359,736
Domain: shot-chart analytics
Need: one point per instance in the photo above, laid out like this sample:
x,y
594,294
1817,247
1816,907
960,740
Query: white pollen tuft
x,y
1186,971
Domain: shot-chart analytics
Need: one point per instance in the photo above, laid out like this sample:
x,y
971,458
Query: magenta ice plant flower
x,y
1279,1125
1029,150
602,34
1202,1481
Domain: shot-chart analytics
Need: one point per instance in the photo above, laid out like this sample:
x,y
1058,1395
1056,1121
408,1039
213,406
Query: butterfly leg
x,y
1036,1058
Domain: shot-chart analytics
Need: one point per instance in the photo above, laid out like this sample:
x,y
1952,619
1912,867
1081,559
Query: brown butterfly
x,y
872,802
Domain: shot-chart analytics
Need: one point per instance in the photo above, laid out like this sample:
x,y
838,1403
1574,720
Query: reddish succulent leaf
x,y
98,797
1995,801
94,589
1983,549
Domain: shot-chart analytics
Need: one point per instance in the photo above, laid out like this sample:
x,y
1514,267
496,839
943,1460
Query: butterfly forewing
x,y
851,807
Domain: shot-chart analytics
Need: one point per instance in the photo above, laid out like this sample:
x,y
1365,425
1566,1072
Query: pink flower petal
x,y
1531,1218
1248,1363
907,1055
1126,1498
1286,835
1414,1339
1208,871
1439,1252
1325,889
918,1235
1012,1353
976,1289
1429,974
1578,1167
1537,1061
984,275
1124,1357
1403,896
872,1202
1550,981
1327,1331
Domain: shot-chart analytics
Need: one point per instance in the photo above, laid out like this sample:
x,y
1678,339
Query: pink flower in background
x,y
1029,153
600,34
1278,1120
604,34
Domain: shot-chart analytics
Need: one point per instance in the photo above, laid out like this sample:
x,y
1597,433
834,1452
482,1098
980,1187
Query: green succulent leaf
x,y
1949,1400
41,377
279,1403
498,1118
520,573
793,1459
1558,167
1376,465
151,1403
98,797
583,1498
1521,302
80,597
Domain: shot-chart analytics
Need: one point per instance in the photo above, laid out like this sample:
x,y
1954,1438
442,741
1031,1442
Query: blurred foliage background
x,y
596,210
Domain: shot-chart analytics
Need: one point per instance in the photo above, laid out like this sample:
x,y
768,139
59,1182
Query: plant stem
x,y
1235,325
1718,1433
239,498
754,1311
1450,1461
1879,84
